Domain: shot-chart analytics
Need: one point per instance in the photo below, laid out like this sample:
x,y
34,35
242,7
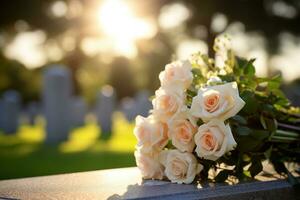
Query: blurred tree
x,y
122,78
153,56
14,75
268,17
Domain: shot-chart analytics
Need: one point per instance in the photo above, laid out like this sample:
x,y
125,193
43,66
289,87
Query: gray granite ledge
x,y
126,183
279,189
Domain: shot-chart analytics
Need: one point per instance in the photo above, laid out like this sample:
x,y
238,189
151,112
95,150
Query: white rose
x,y
151,134
177,74
167,104
180,167
213,140
219,101
149,165
181,132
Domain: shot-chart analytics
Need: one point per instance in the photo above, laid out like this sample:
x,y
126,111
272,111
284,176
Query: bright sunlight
x,y
119,23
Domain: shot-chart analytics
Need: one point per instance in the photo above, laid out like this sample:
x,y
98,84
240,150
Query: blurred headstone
x,y
128,108
79,110
11,106
32,112
104,110
1,115
143,104
292,92
57,99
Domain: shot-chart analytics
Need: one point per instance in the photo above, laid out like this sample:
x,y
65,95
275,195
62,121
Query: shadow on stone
x,y
256,190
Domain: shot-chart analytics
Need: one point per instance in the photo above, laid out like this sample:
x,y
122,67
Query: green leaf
x,y
170,145
255,167
249,70
278,166
268,152
199,122
271,124
260,134
273,85
262,121
247,144
243,130
228,161
228,77
191,93
283,102
253,140
196,72
241,62
247,173
262,80
268,123
275,82
268,108
239,119
251,105
239,167
222,176
277,78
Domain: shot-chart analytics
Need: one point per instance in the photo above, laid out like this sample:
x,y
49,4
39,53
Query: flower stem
x,y
286,134
288,126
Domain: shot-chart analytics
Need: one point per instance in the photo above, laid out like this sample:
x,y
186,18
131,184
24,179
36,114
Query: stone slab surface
x,y
126,183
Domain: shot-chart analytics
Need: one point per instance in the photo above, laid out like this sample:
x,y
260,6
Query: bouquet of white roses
x,y
209,113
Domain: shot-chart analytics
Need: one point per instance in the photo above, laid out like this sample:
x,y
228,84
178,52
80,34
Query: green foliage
x,y
243,130
14,76
249,70
222,175
266,128
255,167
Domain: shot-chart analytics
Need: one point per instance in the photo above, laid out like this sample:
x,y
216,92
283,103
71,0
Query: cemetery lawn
x,y
25,155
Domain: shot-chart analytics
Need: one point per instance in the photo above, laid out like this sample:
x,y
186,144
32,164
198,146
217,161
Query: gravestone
x,y
11,105
294,94
143,104
104,110
56,101
127,107
32,112
1,115
79,110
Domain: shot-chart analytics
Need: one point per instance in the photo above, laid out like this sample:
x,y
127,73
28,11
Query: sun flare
x,y
119,23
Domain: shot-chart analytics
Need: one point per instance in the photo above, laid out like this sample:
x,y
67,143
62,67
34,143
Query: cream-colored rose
x,y
149,165
177,74
219,101
213,140
180,167
152,135
181,132
167,104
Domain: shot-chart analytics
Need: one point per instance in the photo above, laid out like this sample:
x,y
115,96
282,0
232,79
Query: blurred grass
x,y
24,154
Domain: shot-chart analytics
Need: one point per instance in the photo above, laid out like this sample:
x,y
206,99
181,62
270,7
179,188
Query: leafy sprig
x,y
267,128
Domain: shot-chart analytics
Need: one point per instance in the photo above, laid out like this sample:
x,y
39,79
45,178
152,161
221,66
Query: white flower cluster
x,y
171,120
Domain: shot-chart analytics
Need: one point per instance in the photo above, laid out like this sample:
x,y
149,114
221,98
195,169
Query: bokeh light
x,y
121,26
